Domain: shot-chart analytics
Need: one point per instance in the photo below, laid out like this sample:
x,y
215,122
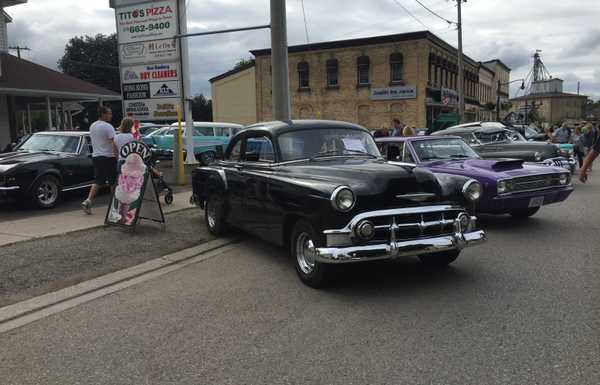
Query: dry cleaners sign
x,y
394,93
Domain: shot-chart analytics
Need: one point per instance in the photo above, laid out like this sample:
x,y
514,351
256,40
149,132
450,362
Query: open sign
x,y
136,148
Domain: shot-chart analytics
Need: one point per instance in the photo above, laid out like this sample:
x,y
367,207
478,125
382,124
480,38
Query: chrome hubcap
x,y
211,214
305,253
47,193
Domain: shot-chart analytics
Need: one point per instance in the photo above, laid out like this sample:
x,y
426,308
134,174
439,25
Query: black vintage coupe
x,y
45,165
494,140
322,189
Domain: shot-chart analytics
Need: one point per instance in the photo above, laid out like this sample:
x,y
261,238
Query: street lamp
x,y
498,94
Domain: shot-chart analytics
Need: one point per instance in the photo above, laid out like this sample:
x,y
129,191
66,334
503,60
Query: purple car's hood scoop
x,y
496,165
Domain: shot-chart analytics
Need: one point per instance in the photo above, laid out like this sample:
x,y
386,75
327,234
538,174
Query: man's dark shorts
x,y
105,170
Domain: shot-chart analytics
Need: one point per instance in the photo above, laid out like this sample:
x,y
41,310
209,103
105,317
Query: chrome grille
x,y
536,182
414,226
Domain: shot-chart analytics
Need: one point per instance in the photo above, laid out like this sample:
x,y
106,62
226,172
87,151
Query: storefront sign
x,y
152,20
394,93
164,90
449,97
150,73
152,109
134,91
149,51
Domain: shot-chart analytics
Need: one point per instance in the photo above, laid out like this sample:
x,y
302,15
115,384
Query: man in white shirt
x,y
104,154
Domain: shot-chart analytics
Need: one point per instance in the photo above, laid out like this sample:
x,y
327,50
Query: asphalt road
x,y
521,309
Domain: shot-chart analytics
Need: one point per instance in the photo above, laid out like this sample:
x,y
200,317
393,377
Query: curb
x,y
22,313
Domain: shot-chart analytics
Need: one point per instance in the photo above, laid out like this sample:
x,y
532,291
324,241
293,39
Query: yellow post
x,y
180,166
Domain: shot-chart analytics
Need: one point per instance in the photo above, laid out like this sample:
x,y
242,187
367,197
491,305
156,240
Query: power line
x,y
410,14
434,13
305,23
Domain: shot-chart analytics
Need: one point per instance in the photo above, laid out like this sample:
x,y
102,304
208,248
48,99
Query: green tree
x,y
243,62
202,109
93,59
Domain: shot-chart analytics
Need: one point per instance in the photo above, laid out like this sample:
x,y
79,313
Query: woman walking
x,y
122,138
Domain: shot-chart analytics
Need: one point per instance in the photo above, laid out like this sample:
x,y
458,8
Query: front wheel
x,y
439,260
525,213
45,192
214,215
303,243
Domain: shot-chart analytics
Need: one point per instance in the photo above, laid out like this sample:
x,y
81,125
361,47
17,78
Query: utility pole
x,y
190,158
461,71
498,101
19,49
279,61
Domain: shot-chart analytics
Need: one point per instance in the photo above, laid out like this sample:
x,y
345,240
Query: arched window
x,y
332,72
396,67
303,75
362,70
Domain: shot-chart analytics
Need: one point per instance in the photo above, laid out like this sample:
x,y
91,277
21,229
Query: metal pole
x,y
279,61
29,118
498,102
49,108
265,26
187,86
58,122
461,77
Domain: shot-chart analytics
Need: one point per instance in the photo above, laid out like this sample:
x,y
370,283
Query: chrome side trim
x,y
77,187
11,188
405,164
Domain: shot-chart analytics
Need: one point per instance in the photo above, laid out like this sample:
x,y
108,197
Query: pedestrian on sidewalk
x,y
578,147
122,138
397,128
102,134
408,131
589,160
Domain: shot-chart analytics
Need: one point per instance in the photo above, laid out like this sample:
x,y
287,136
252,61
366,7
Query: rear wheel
x,y
214,215
525,213
303,243
45,192
439,260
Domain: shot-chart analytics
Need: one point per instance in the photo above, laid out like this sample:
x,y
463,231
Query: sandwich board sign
x,y
135,196
149,58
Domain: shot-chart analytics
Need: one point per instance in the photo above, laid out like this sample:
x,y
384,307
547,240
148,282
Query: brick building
x,y
369,81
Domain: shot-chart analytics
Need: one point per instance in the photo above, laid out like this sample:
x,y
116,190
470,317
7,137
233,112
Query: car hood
x,y
365,176
22,157
490,168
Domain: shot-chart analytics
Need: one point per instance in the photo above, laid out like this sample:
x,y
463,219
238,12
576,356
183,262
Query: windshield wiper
x,y
461,156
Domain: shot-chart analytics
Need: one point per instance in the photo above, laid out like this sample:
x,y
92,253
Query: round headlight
x,y
564,179
365,230
342,199
472,190
537,156
502,187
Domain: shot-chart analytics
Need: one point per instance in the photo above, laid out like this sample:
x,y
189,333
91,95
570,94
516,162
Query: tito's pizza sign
x,y
149,21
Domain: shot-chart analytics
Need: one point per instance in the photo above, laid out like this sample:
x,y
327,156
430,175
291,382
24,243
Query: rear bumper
x,y
392,250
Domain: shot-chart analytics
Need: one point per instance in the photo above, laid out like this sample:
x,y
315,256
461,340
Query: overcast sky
x,y
567,32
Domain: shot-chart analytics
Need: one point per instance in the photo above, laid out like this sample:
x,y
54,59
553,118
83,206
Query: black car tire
x,y
439,260
311,272
207,158
45,192
525,213
214,215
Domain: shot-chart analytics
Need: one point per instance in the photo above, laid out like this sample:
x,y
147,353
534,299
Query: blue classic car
x,y
207,137
510,186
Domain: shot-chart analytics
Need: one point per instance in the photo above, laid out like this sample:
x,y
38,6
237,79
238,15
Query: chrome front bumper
x,y
394,248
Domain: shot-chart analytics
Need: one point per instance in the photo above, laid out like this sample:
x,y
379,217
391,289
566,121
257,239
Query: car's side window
x,y
408,156
394,151
259,149
87,149
235,155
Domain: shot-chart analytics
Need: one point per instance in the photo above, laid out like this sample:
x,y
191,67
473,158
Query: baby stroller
x,y
159,182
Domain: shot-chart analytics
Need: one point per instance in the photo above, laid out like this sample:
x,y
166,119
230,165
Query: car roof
x,y
458,130
280,127
211,124
394,139
68,133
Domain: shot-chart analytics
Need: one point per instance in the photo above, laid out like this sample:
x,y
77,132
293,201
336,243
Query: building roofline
x,y
233,71
549,95
6,16
499,62
366,41
484,67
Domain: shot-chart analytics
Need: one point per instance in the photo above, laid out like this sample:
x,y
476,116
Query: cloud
x,y
511,30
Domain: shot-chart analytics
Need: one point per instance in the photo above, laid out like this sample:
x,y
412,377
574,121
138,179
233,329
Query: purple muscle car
x,y
510,186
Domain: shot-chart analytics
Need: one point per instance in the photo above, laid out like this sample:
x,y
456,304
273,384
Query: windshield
x,y
492,136
436,149
314,143
51,142
530,131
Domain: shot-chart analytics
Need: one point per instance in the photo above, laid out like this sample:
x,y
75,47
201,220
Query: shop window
x,y
332,73
303,75
396,67
362,70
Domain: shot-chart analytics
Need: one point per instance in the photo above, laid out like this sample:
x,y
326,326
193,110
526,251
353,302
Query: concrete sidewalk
x,y
55,223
